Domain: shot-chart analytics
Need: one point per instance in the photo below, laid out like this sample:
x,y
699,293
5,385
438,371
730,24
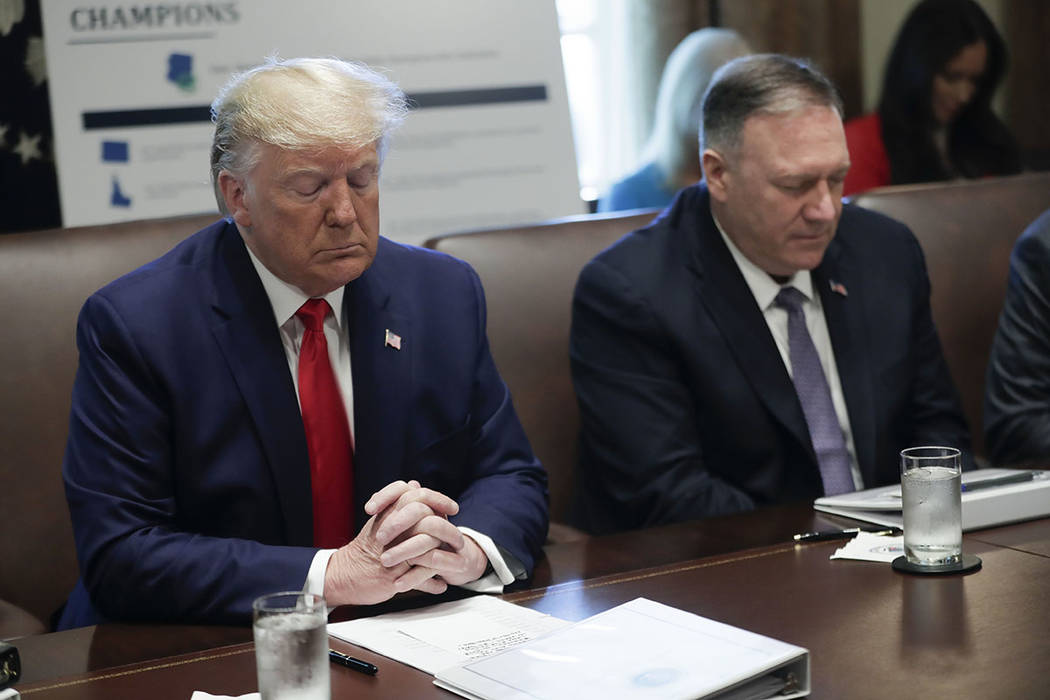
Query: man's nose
x,y
822,205
340,211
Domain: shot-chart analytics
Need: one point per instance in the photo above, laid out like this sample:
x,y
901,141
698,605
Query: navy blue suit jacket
x,y
686,407
186,469
1017,390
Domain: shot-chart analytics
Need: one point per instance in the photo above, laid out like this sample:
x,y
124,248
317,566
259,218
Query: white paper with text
x,y
437,637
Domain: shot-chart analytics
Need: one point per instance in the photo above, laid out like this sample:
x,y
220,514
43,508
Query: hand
x,y
357,576
438,545
454,566
409,504
356,573
419,534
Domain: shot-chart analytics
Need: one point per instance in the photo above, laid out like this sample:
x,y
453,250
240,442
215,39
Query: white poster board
x,y
489,142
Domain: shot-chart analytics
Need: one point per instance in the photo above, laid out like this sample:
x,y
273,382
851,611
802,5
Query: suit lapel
x,y
247,333
382,380
843,311
731,305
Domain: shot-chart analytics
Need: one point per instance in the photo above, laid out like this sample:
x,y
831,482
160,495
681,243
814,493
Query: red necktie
x,y
327,432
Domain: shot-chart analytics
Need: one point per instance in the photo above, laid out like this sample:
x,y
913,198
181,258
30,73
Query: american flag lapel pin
x,y
836,287
392,340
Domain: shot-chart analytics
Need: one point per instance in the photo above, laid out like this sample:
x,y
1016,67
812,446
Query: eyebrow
x,y
303,172
810,175
307,171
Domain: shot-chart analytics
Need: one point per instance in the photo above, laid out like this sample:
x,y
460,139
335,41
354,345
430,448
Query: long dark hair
x,y
978,142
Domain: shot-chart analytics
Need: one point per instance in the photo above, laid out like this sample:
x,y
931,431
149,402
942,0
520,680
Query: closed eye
x,y
796,186
363,178
305,185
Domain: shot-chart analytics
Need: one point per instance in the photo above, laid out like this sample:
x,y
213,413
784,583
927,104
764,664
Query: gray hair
x,y
687,73
760,84
301,104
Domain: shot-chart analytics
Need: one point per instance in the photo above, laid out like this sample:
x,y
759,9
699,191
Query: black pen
x,y
1018,478
842,534
351,662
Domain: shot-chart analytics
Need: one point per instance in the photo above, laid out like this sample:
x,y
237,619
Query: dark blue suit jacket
x,y
1017,390
186,470
687,409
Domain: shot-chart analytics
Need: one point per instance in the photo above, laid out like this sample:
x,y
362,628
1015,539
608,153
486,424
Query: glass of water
x,y
931,481
291,646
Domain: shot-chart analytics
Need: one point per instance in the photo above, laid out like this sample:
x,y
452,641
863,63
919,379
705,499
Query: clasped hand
x,y
408,543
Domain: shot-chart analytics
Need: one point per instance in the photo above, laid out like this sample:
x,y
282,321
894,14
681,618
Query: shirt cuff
x,y
506,568
315,576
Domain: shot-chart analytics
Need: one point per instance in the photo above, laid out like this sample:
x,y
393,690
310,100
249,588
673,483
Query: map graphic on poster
x,y
488,141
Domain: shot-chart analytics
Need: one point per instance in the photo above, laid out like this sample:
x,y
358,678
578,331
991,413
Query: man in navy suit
x,y
194,486
699,395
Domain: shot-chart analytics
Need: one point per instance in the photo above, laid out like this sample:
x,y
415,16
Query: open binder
x,y
641,649
982,507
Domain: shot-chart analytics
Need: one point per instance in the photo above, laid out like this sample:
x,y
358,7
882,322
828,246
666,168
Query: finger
x,y
397,521
387,495
433,585
412,547
437,501
413,578
451,567
439,560
441,529
436,526
455,567
355,576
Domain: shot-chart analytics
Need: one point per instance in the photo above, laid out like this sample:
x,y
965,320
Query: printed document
x,y
448,634
641,649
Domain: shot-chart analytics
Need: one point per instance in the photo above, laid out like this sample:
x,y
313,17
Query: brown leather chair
x,y
529,273
45,276
967,231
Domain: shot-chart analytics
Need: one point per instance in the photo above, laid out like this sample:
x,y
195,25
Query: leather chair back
x,y
529,274
45,277
967,231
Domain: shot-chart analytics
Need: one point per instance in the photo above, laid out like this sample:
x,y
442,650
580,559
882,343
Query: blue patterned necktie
x,y
815,397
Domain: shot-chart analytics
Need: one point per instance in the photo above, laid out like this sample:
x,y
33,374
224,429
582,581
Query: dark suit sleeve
x,y
136,561
935,416
506,498
1017,400
641,460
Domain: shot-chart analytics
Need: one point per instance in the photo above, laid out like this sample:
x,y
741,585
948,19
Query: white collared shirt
x,y
285,299
765,289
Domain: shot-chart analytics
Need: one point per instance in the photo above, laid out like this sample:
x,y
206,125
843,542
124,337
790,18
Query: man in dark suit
x,y
758,342
286,378
1017,390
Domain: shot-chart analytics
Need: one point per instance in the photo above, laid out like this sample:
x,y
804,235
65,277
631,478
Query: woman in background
x,y
935,120
671,159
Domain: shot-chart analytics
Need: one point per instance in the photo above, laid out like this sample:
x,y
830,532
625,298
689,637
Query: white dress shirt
x,y
765,289
286,300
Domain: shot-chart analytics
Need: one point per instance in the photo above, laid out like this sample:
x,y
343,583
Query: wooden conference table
x,y
871,632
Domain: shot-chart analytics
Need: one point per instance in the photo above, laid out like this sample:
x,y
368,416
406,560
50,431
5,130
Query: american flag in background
x,y
28,183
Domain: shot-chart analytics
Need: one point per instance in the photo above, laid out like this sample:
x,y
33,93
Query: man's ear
x,y
716,173
234,193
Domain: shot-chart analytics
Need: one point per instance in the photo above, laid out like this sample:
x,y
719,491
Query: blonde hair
x,y
672,144
301,104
